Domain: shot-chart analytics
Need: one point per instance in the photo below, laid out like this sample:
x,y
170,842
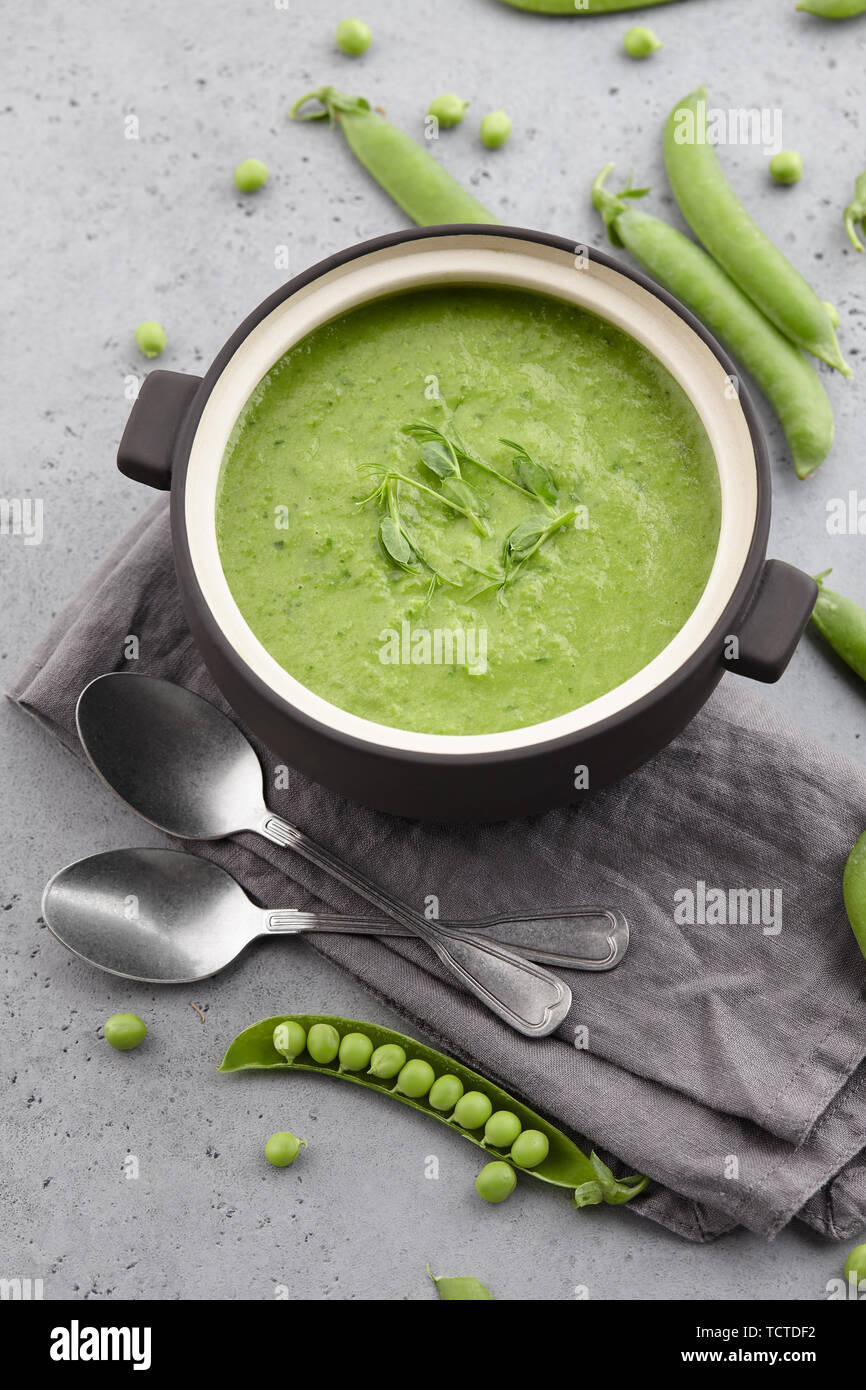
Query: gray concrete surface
x,y
100,231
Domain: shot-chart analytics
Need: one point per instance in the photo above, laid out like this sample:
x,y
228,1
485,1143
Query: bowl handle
x,y
148,441
768,634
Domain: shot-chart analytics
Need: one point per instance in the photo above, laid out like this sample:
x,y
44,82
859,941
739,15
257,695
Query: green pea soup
x,y
430,617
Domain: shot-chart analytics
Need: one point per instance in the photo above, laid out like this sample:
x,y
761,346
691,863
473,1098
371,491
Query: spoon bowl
x,y
154,915
171,755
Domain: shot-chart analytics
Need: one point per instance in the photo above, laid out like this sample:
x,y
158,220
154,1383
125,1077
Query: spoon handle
x,y
553,938
524,994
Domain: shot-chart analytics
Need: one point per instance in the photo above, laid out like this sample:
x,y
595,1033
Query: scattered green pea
x,y
250,175
323,1042
530,1148
356,1049
496,1181
502,1129
445,1092
448,109
387,1061
150,337
290,1039
640,42
787,166
856,1264
495,129
415,1079
353,37
473,1110
124,1031
283,1148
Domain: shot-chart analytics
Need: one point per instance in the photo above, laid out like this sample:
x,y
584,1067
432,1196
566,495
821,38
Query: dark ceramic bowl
x,y
749,618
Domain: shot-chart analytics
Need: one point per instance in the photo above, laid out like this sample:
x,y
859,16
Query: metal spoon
x,y
165,917
189,770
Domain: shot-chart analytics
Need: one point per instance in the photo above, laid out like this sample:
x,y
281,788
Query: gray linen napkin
x,y
726,1060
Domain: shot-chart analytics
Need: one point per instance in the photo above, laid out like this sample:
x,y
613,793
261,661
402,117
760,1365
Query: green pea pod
x,y
718,218
854,890
843,623
565,1165
462,1287
783,373
581,7
833,9
413,178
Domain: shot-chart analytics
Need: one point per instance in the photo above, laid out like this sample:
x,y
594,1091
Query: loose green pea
x,y
290,1039
640,42
496,1181
448,109
472,1110
530,1148
856,1264
250,175
283,1148
415,1079
356,1049
150,337
387,1060
502,1129
124,1031
446,1092
353,36
787,166
495,129
323,1042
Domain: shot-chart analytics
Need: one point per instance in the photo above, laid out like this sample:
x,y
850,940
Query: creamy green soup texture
x,y
597,600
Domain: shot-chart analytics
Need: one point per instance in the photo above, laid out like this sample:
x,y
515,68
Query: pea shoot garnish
x,y
396,540
419,429
520,545
444,455
534,476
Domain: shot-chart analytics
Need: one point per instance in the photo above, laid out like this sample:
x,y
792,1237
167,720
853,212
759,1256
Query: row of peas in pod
x,y
416,1079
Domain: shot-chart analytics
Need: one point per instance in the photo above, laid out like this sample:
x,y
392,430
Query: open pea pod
x,y
565,1165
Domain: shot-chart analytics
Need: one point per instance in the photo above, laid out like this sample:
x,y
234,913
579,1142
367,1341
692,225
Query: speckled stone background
x,y
100,231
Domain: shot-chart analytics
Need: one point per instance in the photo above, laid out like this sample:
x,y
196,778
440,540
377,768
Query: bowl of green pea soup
x,y
469,521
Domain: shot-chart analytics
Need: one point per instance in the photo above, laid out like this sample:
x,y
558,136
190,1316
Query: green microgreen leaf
x,y
535,477
394,543
480,525
436,456
522,541
458,490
